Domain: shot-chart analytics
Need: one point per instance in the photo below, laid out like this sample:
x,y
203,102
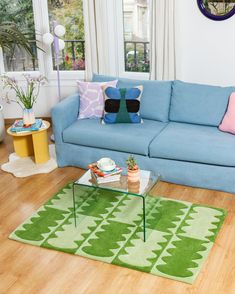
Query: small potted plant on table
x,y
133,172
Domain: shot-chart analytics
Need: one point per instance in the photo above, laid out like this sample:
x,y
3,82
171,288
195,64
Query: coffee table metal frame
x,y
146,185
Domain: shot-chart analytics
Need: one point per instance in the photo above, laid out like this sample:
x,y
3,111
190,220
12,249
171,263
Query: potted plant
x,y
133,172
25,96
10,35
134,187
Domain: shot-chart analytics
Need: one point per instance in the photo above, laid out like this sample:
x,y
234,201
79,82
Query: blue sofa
x,y
179,137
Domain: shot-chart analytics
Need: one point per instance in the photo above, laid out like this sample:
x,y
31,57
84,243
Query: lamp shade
x,y
59,30
61,44
47,39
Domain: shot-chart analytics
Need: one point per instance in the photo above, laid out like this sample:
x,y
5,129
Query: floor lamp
x,y
58,45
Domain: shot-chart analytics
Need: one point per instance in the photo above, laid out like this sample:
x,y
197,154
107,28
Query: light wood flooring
x,y
28,269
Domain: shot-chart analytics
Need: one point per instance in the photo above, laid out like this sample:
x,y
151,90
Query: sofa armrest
x,y
64,114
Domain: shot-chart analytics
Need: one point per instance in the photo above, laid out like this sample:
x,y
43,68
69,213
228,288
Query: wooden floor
x,y
29,269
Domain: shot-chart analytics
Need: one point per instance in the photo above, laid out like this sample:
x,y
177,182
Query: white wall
x,y
205,54
47,99
205,48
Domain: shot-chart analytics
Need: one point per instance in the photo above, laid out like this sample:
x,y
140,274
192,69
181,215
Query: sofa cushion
x,y
228,122
122,105
92,98
131,138
155,101
194,143
199,104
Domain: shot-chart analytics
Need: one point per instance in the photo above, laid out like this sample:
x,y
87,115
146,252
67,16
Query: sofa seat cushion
x,y
194,143
131,138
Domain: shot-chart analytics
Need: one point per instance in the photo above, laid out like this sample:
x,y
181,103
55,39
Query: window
x,y
21,13
69,13
136,35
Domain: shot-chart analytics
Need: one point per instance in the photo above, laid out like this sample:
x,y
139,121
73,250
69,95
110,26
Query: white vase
x,y
28,116
2,125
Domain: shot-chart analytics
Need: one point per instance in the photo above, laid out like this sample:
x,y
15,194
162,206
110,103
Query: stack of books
x,y
19,127
102,177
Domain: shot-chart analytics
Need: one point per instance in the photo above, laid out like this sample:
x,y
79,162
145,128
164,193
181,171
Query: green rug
x,y
179,234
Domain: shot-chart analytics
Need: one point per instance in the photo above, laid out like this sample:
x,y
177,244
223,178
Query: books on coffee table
x,y
104,176
102,180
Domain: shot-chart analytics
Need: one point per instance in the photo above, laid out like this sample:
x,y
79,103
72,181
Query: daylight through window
x,y
21,13
69,13
136,35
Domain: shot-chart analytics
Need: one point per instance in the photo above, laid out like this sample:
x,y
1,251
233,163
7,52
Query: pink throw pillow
x,y
92,99
228,122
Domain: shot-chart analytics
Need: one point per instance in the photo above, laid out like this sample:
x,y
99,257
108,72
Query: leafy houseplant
x,y
24,96
10,36
133,172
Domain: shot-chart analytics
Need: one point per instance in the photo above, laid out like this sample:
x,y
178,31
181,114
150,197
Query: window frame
x,y
18,74
116,47
45,65
120,41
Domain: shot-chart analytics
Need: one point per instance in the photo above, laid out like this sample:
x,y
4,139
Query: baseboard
x,y
10,121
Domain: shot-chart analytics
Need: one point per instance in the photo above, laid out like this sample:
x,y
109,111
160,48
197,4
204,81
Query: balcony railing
x,y
73,56
136,56
20,60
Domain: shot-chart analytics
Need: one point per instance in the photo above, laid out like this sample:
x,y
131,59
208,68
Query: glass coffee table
x,y
148,180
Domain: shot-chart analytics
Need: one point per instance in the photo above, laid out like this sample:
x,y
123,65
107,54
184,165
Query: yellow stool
x,y
32,143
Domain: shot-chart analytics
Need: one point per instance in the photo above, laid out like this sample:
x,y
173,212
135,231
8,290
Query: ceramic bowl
x,y
106,164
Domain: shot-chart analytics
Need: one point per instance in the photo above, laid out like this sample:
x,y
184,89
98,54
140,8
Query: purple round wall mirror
x,y
217,9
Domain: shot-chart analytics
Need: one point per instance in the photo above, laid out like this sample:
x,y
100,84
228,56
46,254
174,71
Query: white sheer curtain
x,y
162,39
96,37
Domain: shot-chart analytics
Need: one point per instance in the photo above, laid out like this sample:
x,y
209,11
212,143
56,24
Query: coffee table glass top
x,y
141,188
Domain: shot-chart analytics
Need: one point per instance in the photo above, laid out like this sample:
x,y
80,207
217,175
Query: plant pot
x,y
2,124
134,187
133,175
28,116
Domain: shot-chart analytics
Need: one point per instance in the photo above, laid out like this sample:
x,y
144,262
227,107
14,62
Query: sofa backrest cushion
x,y
155,101
228,122
198,104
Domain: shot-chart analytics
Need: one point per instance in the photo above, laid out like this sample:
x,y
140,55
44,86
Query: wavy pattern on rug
x,y
109,228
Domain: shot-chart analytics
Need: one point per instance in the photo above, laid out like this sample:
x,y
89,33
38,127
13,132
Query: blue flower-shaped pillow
x,y
122,105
